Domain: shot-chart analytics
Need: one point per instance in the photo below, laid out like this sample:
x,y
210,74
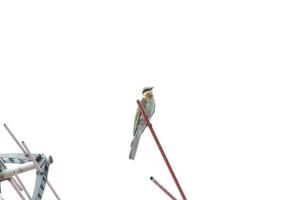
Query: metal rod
x,y
38,169
16,189
23,186
14,138
161,149
17,184
52,189
11,178
162,188
8,173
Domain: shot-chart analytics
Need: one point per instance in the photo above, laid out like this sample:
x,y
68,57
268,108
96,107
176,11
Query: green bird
x,y
148,104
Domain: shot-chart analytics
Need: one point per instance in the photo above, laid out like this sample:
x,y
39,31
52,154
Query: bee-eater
x,y
148,104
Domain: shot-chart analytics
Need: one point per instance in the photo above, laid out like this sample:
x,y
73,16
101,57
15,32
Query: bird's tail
x,y
134,146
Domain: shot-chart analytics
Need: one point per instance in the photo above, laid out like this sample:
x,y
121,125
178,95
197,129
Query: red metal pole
x,y
162,188
146,119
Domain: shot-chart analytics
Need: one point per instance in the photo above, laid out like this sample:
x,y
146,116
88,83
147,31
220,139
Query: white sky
x,y
226,77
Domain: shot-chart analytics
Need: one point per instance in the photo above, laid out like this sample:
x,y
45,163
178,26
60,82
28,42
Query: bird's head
x,y
147,92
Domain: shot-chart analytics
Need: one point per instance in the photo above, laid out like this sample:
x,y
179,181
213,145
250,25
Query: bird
x,y
148,104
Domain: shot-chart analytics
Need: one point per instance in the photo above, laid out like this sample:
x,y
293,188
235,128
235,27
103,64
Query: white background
x,y
226,77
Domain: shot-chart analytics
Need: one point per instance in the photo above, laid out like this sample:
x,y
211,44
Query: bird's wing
x,y
153,109
136,120
138,116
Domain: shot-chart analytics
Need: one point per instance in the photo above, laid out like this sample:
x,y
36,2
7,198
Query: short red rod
x,y
146,119
162,188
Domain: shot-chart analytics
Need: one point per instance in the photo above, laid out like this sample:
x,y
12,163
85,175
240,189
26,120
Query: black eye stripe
x,y
147,89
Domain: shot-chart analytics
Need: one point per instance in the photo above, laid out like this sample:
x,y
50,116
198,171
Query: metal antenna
x,y
38,169
11,173
23,186
36,165
14,138
52,189
13,184
146,119
162,188
17,184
